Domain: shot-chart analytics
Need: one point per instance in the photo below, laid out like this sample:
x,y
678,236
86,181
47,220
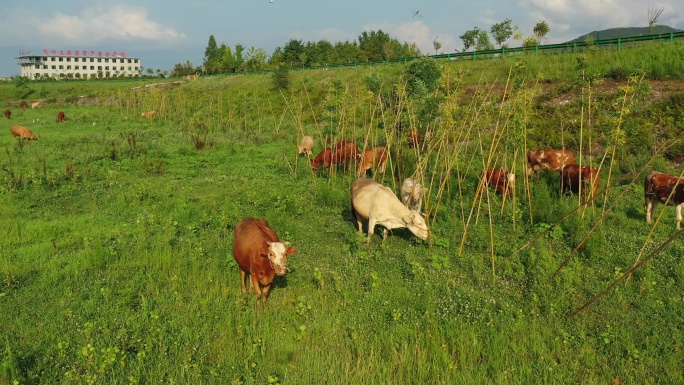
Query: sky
x,y
165,32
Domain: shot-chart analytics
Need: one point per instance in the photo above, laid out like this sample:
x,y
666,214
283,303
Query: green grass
x,y
116,265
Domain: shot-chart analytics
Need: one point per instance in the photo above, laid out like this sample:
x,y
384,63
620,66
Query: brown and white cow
x,y
259,253
60,116
503,182
575,178
8,114
663,188
376,156
22,133
553,160
376,203
149,114
306,145
345,151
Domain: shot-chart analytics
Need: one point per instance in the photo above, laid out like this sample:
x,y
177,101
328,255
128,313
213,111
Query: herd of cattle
x,y
259,253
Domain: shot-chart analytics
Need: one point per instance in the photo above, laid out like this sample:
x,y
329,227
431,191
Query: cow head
x,y
277,252
415,222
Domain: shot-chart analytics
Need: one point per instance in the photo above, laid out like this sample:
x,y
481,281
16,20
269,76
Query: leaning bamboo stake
x,y
629,273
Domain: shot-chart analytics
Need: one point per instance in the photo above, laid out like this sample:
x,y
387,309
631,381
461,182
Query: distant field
x,y
116,262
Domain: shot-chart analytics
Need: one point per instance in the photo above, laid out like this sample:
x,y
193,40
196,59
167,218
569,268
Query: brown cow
x,y
305,146
345,151
414,138
324,158
23,105
22,132
258,251
553,160
663,188
149,114
371,157
8,114
502,181
60,116
574,178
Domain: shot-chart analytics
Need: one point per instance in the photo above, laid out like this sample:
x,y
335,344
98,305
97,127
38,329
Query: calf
x,y
306,145
60,116
371,157
149,114
503,182
414,138
8,114
553,160
324,158
22,133
412,193
376,203
259,253
663,188
36,104
575,178
23,105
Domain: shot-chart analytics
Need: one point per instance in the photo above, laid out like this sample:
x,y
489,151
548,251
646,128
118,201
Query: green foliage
x,y
281,78
540,30
502,31
422,76
21,87
469,38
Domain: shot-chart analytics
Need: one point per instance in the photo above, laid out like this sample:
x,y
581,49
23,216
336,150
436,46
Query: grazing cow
x,y
306,145
149,114
553,160
345,151
572,177
663,188
36,104
22,132
414,138
412,193
373,156
60,116
258,251
324,158
8,114
23,105
503,182
376,203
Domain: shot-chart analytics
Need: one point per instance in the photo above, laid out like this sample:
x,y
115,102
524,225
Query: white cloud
x,y
417,32
117,22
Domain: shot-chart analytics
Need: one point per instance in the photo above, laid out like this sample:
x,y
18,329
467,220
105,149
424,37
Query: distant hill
x,y
618,33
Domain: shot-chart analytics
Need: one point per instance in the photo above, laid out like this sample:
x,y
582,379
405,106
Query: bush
x,y
281,78
422,75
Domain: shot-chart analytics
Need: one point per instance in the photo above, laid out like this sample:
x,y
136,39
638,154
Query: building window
x,y
45,67
68,59
61,67
92,68
37,67
45,58
99,60
92,60
61,59
136,68
129,60
54,67
106,68
68,67
106,60
76,67
122,68
99,68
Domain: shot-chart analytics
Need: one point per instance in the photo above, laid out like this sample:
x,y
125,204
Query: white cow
x,y
376,203
306,145
412,193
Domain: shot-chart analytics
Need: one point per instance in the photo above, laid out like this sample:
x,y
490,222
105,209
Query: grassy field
x,y
116,261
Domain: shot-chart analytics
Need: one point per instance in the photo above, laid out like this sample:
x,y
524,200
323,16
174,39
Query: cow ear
x,y
290,251
264,251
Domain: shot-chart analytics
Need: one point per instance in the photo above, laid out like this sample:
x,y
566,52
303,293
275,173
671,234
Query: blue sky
x,y
165,32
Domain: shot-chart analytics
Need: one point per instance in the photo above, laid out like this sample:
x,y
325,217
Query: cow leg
x,y
242,281
649,205
358,218
255,285
679,215
384,233
371,229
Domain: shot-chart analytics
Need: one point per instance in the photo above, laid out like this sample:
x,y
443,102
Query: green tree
x,y
21,87
281,77
469,38
436,45
423,72
183,68
292,52
255,59
483,43
501,32
226,60
239,58
211,56
540,31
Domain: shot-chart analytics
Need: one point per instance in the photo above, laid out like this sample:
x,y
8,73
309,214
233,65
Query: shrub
x,y
281,78
422,75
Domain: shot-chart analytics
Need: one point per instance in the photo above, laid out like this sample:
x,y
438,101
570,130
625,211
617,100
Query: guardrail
x,y
488,54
